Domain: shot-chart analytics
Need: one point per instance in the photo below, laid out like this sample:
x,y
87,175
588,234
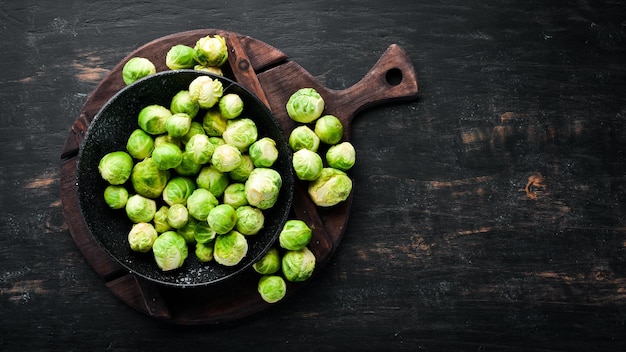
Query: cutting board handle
x,y
393,77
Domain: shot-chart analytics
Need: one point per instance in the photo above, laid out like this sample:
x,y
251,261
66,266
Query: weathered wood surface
x,y
487,215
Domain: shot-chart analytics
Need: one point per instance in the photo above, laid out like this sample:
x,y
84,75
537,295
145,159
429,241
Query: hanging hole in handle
x,y
393,76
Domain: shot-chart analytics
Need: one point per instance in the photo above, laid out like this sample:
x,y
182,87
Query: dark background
x,y
488,215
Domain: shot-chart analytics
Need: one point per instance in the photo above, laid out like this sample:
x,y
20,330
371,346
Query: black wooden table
x,y
487,215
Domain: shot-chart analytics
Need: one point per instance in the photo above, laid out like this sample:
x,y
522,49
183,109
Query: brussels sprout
x,y
179,57
188,232
298,265
295,235
140,209
302,137
263,152
205,91
230,106
262,187
305,105
115,167
269,263
177,216
211,51
308,165
182,102
272,288
200,148
212,179
170,250
217,141
178,125
226,158
250,220
204,252
230,248
136,68
139,144
240,133
200,203
166,138
235,195
213,123
160,219
341,156
329,129
194,129
141,237
187,166
116,196
210,69
147,179
332,187
167,156
242,172
203,233
222,218
152,119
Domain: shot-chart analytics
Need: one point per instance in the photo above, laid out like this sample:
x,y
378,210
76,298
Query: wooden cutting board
x,y
267,72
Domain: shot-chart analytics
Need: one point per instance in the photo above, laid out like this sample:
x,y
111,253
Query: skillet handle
x,y
393,77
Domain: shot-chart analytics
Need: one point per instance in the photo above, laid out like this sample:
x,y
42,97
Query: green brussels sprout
x,y
137,68
308,165
329,129
182,102
217,141
263,152
269,263
240,133
141,237
230,106
295,235
298,266
187,166
272,288
188,231
115,167
205,91
200,203
212,179
179,57
262,187
116,196
200,148
242,172
332,187
230,248
204,252
160,219
178,125
194,129
213,123
203,232
170,250
341,156
226,158
210,69
211,51
222,218
140,209
147,179
166,138
152,119
167,156
305,105
250,220
139,144
177,216
303,137
235,195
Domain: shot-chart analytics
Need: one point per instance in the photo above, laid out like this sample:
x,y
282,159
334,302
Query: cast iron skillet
x,y
109,131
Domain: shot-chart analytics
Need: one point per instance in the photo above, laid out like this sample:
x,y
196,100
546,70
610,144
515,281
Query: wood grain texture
x,y
488,215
